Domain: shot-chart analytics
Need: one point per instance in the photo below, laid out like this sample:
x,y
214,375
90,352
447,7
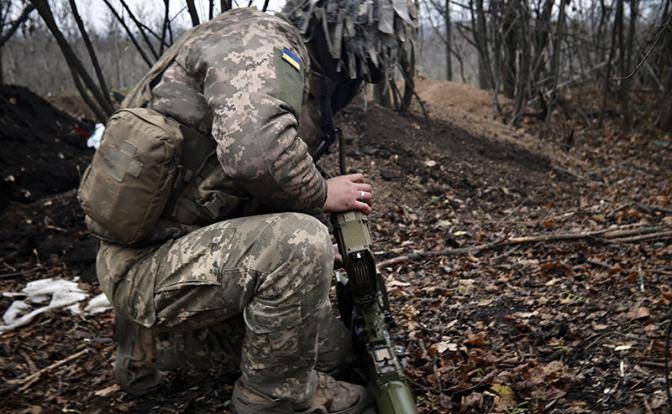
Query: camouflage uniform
x,y
230,79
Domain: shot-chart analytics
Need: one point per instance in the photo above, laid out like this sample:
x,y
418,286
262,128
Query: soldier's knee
x,y
308,237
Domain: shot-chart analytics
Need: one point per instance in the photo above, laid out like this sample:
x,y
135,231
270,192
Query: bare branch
x,y
130,34
17,23
140,28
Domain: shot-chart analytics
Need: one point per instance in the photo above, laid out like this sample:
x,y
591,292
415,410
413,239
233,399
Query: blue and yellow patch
x,y
291,58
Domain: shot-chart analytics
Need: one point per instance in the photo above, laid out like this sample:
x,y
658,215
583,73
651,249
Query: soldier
x,y
236,272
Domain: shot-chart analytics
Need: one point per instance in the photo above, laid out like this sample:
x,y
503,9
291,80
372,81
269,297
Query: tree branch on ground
x,y
604,236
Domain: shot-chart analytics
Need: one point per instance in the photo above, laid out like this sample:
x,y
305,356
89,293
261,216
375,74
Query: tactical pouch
x,y
126,187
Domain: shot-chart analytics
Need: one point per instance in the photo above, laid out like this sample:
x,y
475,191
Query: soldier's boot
x,y
135,368
331,397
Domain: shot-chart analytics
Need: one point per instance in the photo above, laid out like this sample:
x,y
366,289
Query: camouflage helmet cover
x,y
373,31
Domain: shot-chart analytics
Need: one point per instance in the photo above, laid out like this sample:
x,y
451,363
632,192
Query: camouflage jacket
x,y
242,79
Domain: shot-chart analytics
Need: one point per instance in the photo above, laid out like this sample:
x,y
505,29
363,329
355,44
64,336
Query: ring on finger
x,y
361,194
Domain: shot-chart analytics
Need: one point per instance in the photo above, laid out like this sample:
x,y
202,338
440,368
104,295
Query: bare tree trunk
x,y
665,61
94,58
225,5
626,66
191,7
524,73
512,15
449,43
612,51
479,30
555,63
542,28
76,66
166,24
211,9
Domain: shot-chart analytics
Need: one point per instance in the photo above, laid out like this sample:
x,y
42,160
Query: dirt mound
x,y
412,163
473,110
48,231
42,152
72,105
42,155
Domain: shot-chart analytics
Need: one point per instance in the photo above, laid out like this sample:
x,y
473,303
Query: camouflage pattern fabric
x,y
229,80
362,31
274,270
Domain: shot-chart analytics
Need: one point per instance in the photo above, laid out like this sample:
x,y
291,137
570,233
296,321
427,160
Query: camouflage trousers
x,y
269,275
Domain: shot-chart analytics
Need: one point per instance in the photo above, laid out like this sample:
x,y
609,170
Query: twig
x,y
25,14
654,236
667,361
31,379
15,274
650,208
603,236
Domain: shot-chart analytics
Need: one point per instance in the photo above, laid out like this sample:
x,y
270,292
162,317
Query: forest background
x,y
532,52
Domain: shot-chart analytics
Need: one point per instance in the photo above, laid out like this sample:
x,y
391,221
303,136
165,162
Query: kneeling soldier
x,y
204,195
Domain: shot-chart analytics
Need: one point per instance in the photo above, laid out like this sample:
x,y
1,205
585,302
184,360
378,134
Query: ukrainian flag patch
x,y
291,58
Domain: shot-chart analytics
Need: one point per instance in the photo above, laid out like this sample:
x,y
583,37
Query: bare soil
x,y
571,326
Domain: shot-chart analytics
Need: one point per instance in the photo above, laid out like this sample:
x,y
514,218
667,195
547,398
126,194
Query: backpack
x,y
140,168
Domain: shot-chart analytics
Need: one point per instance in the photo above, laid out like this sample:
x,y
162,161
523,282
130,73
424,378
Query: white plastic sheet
x,y
57,293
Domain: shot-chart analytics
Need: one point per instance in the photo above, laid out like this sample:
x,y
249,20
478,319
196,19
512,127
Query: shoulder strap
x,y
141,94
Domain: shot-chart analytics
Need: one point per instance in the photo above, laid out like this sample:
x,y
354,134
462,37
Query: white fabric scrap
x,y
61,292
94,139
97,305
14,310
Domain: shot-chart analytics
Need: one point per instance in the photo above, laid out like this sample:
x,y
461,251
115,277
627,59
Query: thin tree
x,y
555,60
141,29
193,13
81,77
449,41
5,8
92,53
166,25
139,48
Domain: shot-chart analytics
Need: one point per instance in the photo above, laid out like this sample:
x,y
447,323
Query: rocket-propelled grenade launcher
x,y
362,302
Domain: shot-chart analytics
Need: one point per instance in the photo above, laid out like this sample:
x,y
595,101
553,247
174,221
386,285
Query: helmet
x,y
364,35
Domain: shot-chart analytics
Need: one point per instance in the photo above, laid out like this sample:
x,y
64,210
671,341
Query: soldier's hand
x,y
348,192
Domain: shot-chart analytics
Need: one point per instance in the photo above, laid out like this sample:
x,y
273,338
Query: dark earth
x,y
556,324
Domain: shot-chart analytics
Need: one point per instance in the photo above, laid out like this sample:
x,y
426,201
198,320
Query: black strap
x,y
196,151
330,133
